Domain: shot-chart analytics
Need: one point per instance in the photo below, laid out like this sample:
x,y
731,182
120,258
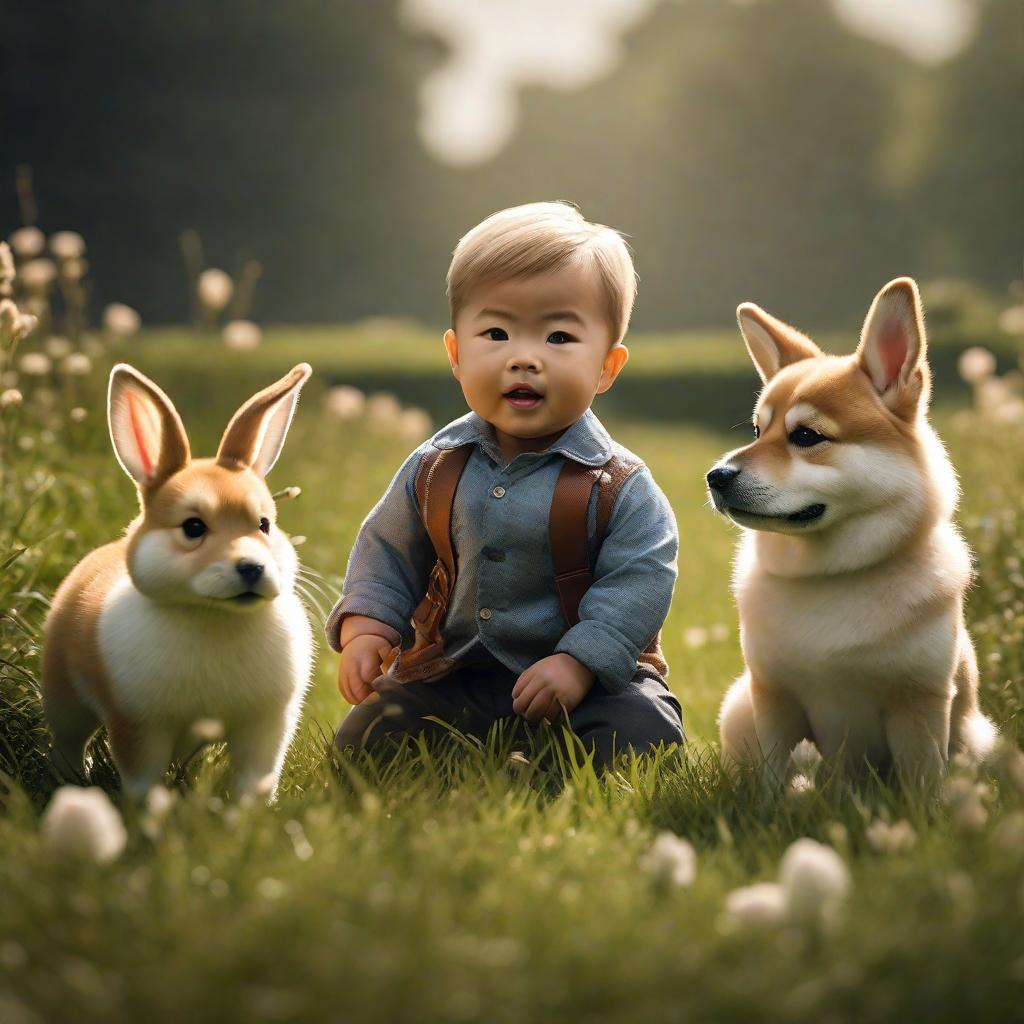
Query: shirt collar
x,y
586,441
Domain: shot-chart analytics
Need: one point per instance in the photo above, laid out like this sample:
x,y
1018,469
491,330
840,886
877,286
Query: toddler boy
x,y
540,300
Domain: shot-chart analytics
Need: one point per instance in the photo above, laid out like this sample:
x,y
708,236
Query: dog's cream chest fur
x,y
844,643
174,664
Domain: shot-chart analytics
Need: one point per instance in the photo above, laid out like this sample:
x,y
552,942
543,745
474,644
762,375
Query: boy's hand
x,y
550,685
360,664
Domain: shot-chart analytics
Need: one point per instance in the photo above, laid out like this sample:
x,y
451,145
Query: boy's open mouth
x,y
522,396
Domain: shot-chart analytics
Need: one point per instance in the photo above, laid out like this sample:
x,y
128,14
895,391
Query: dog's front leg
x,y
780,723
917,731
257,747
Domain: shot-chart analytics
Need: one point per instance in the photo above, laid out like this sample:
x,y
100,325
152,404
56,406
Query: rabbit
x,y
192,614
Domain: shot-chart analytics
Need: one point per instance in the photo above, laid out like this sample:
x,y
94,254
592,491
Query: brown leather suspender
x,y
437,477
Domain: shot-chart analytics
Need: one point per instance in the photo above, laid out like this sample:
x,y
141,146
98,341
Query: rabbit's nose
x,y
249,571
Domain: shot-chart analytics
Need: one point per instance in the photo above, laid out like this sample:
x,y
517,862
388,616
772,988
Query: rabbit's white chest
x,y
179,663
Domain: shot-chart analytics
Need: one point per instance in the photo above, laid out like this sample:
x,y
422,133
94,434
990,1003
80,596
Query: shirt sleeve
x,y
634,576
390,561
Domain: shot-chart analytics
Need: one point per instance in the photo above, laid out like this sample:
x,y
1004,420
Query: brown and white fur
x,y
850,575
159,629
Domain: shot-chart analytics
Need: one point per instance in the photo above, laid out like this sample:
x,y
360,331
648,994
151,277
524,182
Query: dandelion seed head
x,y
37,275
765,903
695,636
35,364
10,397
975,364
27,242
57,347
207,730
383,407
120,320
344,402
242,335
67,245
214,289
816,880
83,823
77,364
671,858
415,424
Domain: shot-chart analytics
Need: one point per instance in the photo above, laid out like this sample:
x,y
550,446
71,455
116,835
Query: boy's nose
x,y
524,361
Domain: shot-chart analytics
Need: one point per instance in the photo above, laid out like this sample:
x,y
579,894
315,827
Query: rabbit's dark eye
x,y
265,524
193,528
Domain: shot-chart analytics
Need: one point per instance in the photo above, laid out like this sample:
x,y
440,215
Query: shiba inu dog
x,y
192,614
850,575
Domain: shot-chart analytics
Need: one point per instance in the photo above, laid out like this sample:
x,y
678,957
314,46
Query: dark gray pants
x,y
473,697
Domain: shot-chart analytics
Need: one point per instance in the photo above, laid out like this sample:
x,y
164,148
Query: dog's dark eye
x,y
193,528
265,524
757,431
804,437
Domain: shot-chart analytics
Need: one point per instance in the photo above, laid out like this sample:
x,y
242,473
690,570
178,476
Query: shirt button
x,y
498,492
485,613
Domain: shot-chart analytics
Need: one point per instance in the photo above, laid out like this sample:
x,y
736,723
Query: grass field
x,y
459,883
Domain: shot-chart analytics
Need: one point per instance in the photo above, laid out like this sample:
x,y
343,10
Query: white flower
x,y
671,858
12,396
695,636
214,289
801,784
35,364
207,730
27,242
1012,320
6,267
816,880
963,796
975,364
760,904
415,424
344,402
242,335
806,757
14,325
990,393
120,320
67,245
719,632
37,275
1011,411
383,407
57,347
78,414
77,364
885,838
159,800
83,822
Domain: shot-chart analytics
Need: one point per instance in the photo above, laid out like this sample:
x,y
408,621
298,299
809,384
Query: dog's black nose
x,y
720,476
249,571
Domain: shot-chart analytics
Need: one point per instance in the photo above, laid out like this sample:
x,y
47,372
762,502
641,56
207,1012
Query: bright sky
x,y
470,105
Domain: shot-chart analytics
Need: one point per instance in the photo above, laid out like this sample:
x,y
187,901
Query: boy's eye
x,y
559,338
804,437
496,334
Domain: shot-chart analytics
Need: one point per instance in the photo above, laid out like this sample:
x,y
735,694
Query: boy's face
x,y
548,334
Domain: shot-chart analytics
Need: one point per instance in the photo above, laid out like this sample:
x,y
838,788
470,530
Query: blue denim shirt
x,y
504,597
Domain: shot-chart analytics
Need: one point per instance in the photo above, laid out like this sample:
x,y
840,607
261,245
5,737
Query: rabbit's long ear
x,y
145,428
256,433
772,344
893,349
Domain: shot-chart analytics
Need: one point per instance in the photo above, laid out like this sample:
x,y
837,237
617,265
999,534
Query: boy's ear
x,y
451,345
618,356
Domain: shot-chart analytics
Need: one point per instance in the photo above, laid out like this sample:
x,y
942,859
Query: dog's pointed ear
x,y
771,343
256,433
147,433
893,349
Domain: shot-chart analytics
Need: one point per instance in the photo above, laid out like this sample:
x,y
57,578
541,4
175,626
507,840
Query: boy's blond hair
x,y
541,238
